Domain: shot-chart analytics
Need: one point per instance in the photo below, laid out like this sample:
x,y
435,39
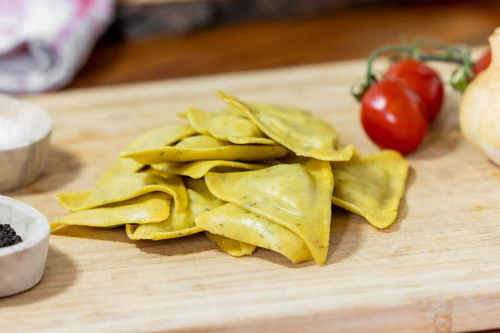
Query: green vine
x,y
459,54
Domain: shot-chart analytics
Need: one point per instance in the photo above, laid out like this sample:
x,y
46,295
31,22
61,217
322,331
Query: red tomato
x,y
394,116
423,80
482,63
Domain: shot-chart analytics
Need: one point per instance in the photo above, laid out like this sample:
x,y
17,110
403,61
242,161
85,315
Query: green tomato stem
x,y
447,58
459,54
377,53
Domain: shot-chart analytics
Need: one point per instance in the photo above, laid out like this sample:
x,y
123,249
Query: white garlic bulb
x,y
480,106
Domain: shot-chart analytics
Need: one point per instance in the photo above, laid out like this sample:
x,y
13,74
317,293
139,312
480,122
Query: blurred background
x,y
141,40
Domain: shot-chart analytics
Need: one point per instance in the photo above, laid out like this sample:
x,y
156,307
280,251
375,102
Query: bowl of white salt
x,y
25,130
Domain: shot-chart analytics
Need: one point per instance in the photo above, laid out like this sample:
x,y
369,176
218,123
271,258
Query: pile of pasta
x,y
248,176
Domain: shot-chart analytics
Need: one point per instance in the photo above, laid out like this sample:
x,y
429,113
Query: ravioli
x,y
158,137
229,109
248,176
295,196
198,169
236,223
163,136
179,224
148,208
371,186
231,246
163,173
204,147
232,127
125,187
295,129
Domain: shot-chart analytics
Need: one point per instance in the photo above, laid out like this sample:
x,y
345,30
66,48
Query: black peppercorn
x,y
8,236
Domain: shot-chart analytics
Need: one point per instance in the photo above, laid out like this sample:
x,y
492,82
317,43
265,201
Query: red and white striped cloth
x,y
43,43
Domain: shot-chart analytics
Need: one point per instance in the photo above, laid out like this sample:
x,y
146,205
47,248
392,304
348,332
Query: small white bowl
x,y
24,140
22,265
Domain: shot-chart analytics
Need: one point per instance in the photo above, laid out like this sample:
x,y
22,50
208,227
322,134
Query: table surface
x,y
257,45
434,270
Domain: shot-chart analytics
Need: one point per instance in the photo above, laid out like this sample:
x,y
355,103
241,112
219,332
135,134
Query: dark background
x,y
162,39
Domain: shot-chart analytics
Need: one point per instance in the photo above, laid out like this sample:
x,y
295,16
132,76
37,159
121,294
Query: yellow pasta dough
x,y
371,186
148,208
198,169
231,246
239,224
232,127
158,137
203,147
200,200
163,173
295,196
125,187
295,129
229,109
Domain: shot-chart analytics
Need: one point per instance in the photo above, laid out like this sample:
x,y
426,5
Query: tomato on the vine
x,y
482,63
394,116
423,80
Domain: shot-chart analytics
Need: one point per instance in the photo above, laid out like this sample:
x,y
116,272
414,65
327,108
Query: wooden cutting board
x,y
435,270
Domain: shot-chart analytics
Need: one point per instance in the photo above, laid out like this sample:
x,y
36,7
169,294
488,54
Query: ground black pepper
x,y
8,236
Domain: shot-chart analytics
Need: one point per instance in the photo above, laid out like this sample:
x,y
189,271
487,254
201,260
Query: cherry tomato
x,y
482,63
423,80
394,116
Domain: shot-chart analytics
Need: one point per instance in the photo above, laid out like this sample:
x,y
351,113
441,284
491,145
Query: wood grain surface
x,y
435,270
276,43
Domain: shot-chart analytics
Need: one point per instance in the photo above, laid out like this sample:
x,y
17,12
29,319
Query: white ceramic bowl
x,y
22,265
24,140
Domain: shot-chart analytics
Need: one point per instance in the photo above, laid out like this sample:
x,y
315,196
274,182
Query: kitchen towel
x,y
43,43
